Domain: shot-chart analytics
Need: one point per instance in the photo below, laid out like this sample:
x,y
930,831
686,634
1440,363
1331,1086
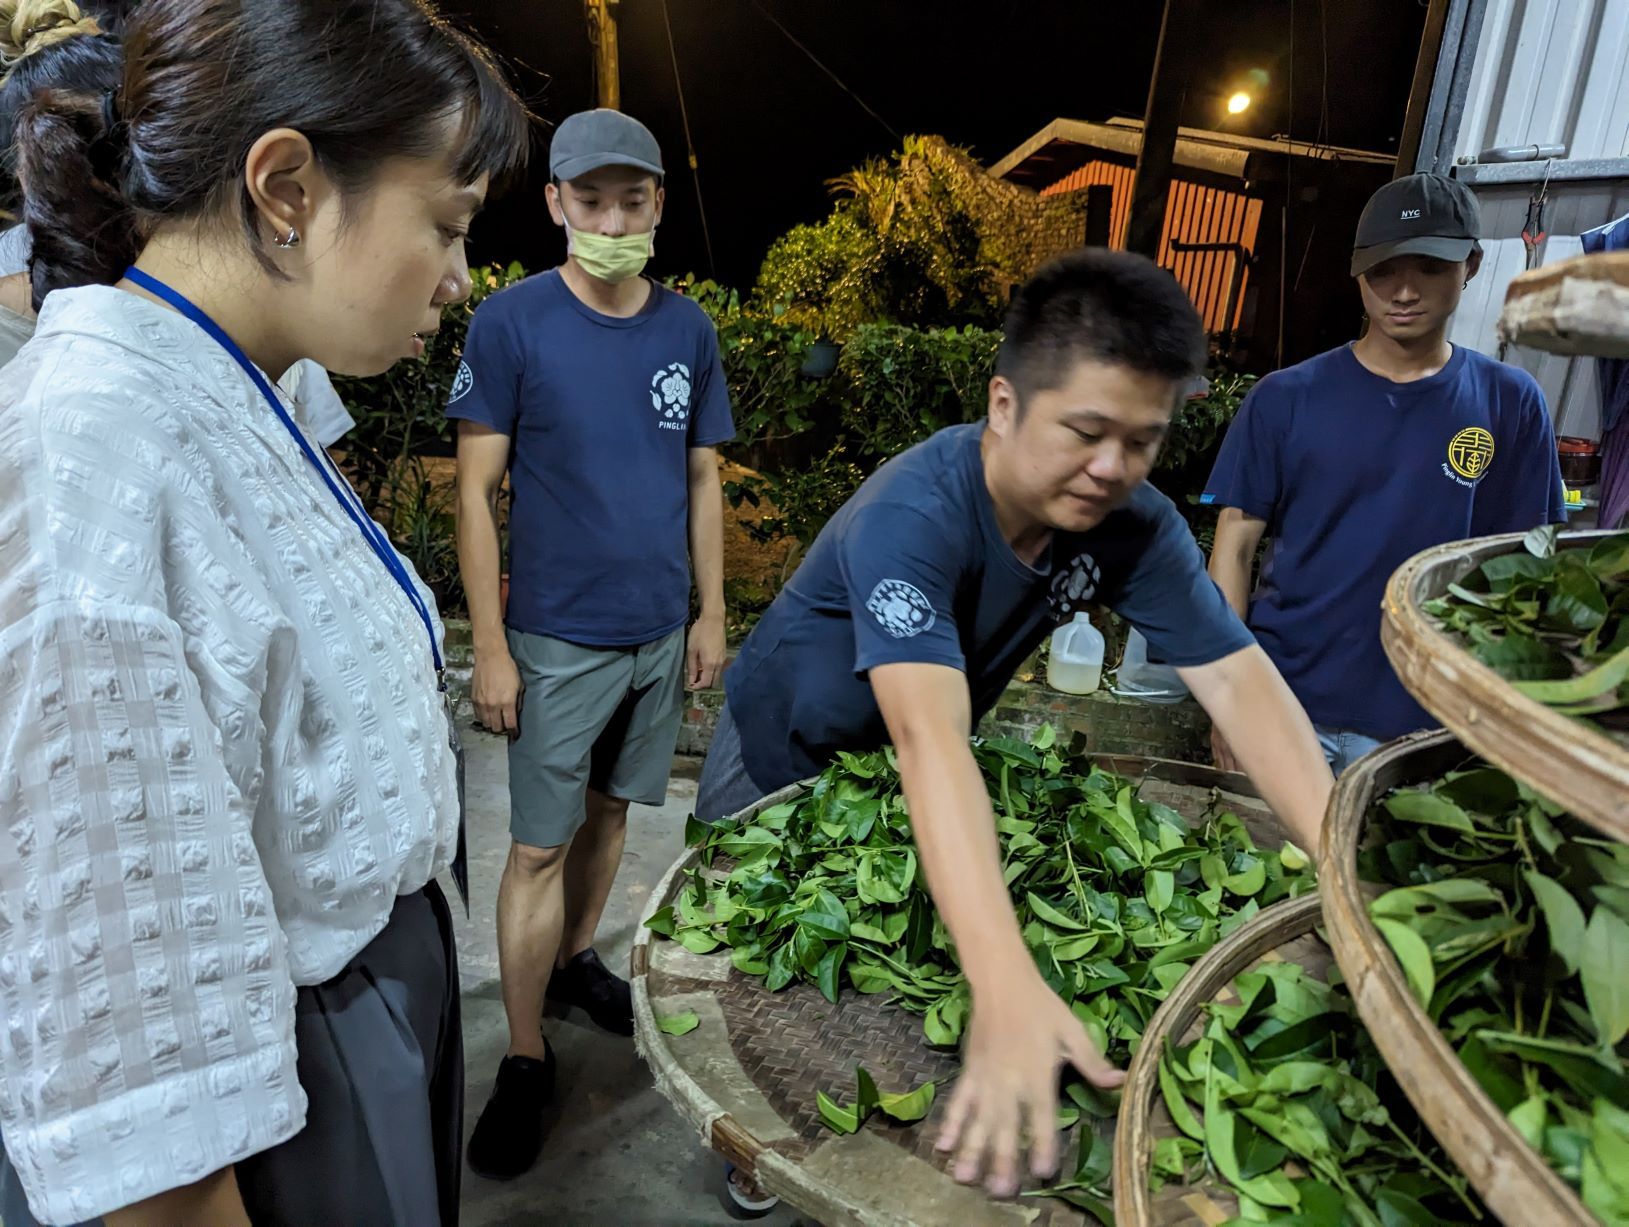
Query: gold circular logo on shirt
x,y
1470,452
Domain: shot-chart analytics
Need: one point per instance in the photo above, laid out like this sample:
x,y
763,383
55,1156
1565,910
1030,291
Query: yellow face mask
x,y
611,258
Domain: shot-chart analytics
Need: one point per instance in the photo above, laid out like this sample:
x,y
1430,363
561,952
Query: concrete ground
x,y
617,1154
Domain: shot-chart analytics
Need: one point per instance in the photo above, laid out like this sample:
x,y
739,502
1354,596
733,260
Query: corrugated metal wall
x,y
1194,214
1550,71
1546,72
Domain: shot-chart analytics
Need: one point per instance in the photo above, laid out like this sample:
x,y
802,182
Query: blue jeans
x,y
725,788
1342,747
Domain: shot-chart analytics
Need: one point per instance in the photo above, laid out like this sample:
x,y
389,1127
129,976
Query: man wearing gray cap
x,y
601,395
1357,459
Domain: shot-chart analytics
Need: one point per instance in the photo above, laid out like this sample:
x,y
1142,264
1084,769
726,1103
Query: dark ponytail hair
x,y
73,66
83,62
363,80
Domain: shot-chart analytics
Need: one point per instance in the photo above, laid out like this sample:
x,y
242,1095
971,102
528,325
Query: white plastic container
x,y
1138,678
1075,665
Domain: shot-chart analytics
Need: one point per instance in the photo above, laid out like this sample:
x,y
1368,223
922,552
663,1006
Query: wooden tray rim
x,y
1512,1178
1564,758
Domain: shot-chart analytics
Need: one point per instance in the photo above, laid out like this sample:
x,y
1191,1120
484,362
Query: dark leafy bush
x,y
903,245
900,385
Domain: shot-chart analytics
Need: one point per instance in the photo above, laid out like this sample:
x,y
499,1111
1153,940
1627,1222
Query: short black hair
x,y
1104,306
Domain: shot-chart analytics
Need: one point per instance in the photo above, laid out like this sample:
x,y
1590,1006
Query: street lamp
x,y
1238,104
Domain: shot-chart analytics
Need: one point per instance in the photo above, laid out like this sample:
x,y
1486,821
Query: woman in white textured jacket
x,y
227,774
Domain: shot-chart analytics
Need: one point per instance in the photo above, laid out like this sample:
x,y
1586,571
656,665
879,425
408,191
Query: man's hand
x,y
1020,1031
1220,752
1019,1036
704,653
495,692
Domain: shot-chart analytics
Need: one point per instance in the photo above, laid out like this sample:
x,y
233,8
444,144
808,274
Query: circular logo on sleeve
x,y
462,383
901,609
1470,453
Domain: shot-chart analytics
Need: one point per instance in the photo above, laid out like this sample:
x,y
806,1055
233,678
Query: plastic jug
x,y
1144,679
1075,665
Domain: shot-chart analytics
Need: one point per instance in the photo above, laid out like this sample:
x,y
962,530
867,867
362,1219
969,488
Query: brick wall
x,y
1099,723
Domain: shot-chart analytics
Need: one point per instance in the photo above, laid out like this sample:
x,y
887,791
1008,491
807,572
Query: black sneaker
x,y
509,1136
588,984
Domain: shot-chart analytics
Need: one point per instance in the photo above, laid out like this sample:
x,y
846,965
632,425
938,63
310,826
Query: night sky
x,y
770,128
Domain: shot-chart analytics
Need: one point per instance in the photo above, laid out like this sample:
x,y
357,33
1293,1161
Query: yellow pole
x,y
602,36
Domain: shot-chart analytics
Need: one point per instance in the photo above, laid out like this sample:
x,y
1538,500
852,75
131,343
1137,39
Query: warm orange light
x,y
1238,104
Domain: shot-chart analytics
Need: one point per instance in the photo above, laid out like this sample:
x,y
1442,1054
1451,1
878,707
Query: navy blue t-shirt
x,y
1355,474
914,569
601,413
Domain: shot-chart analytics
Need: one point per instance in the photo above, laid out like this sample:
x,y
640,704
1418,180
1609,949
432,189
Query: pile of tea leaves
x,y
1116,895
1510,920
1554,622
1285,1100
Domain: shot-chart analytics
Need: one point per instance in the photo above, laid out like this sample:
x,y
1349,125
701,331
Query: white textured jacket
x,y
222,755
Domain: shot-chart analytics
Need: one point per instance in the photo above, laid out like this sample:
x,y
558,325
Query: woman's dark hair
x,y
1104,306
84,58
364,80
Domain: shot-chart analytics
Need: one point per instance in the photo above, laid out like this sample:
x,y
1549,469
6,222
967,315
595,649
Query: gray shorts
x,y
600,718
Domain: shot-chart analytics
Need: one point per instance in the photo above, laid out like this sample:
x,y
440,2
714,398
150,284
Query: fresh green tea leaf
x,y
1428,809
1177,1103
1414,956
1521,658
835,1117
910,1106
1600,681
1609,559
1159,887
1529,1118
1563,916
682,1023
1541,541
1604,965
825,917
828,970
1051,915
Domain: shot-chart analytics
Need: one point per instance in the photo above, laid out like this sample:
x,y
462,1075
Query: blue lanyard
x,y
371,532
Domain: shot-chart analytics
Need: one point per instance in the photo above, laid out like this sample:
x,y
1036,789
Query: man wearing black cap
x,y
601,394
1355,460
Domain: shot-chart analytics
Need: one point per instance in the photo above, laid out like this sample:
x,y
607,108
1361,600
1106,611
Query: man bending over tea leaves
x,y
927,590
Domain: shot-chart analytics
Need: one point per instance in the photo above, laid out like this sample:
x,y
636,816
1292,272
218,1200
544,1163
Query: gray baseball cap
x,y
589,140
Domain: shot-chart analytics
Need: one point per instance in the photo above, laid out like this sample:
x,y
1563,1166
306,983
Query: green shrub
x,y
899,385
763,357
824,278
903,245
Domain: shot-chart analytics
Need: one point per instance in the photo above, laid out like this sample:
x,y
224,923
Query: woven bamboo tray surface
x,y
748,1075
